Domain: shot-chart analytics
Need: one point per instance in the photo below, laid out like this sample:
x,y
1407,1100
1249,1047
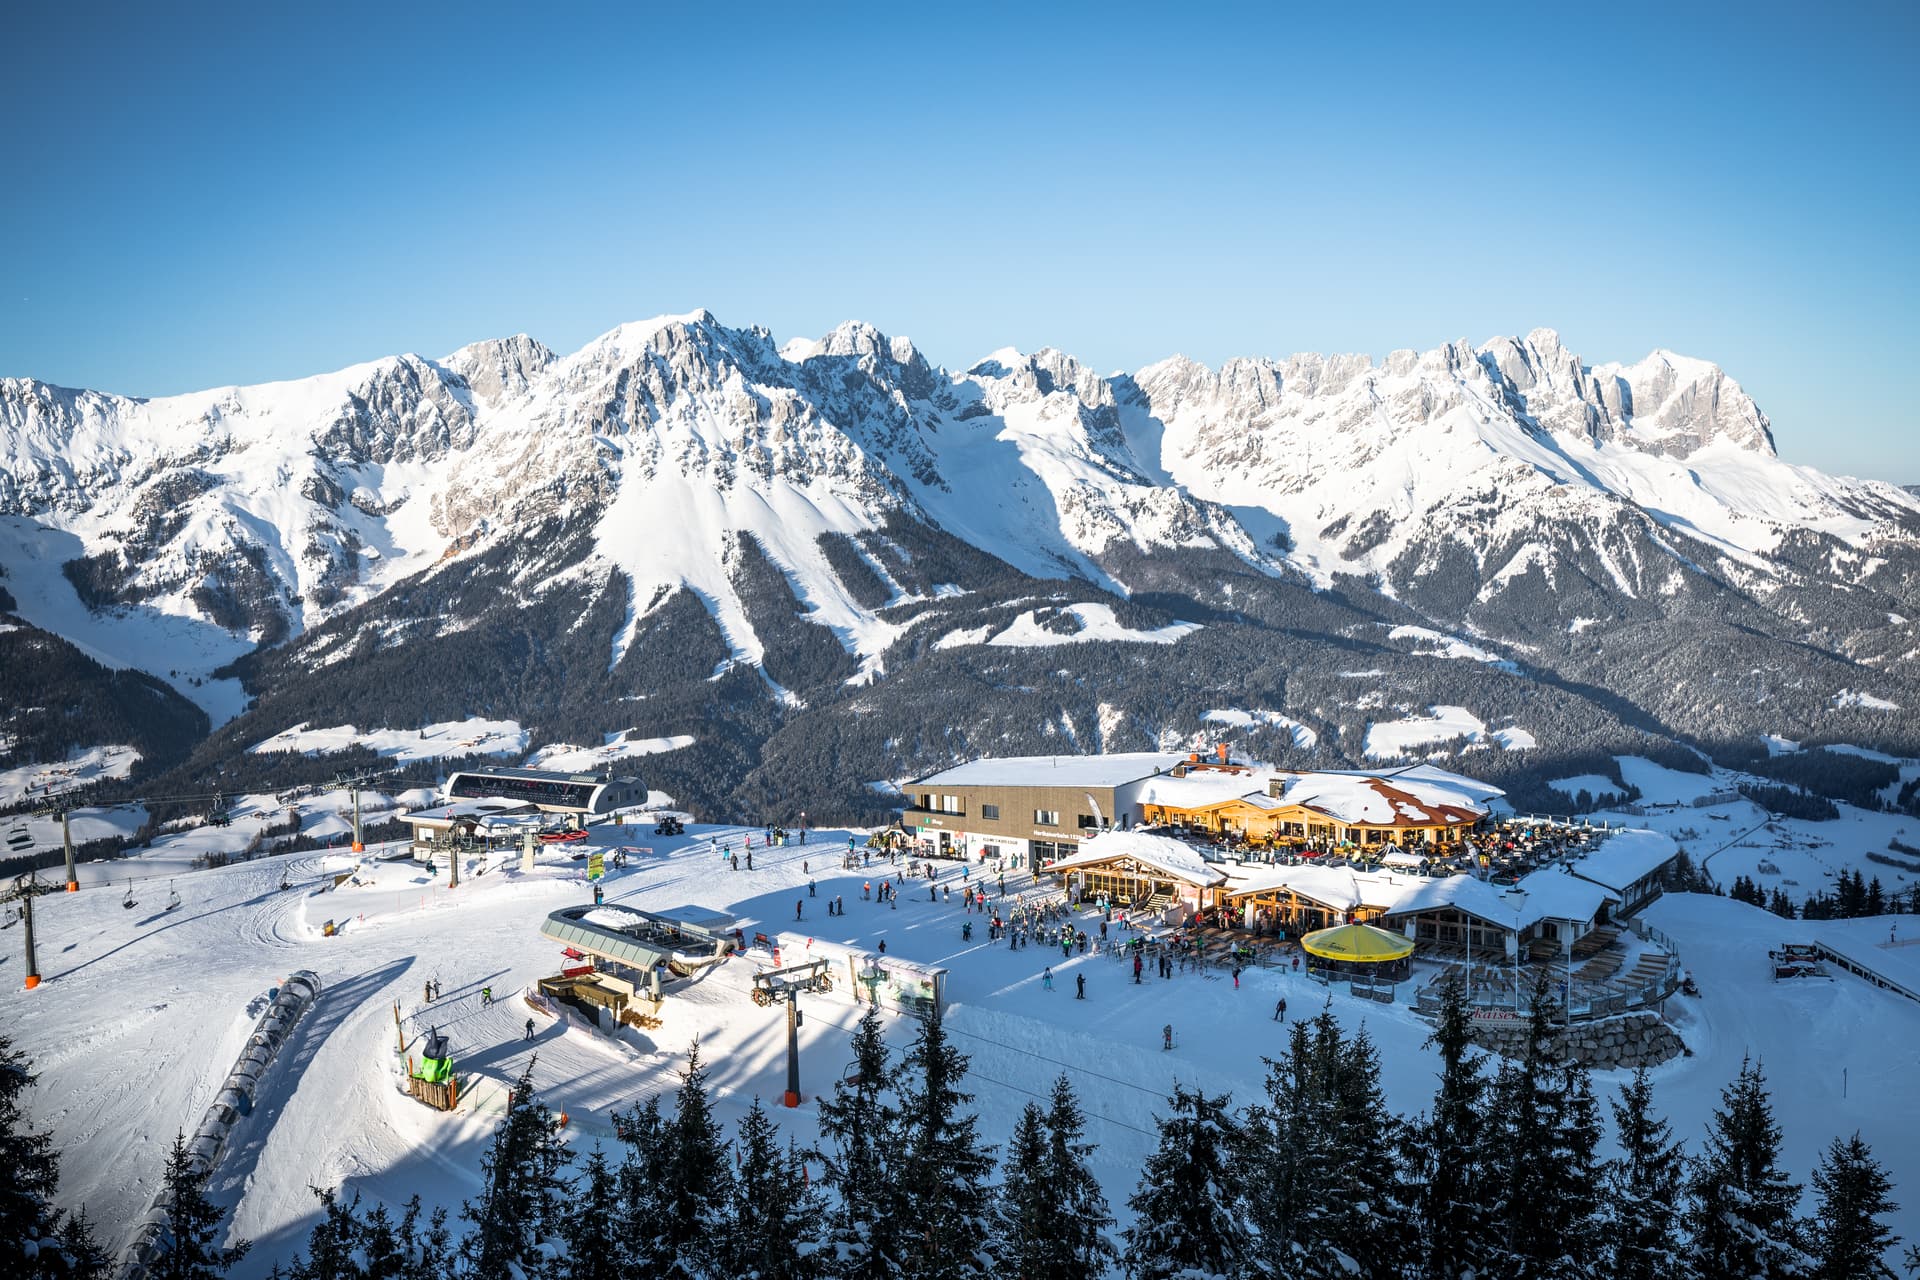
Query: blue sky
x,y
199,196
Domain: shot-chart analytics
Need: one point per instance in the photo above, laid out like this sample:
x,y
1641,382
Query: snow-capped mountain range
x,y
1506,490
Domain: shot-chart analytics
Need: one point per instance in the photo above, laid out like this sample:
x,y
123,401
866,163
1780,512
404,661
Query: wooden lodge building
x,y
1041,808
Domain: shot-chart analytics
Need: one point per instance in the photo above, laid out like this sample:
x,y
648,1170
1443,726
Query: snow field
x,y
473,736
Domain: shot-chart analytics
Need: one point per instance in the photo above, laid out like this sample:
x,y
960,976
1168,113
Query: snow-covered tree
x,y
859,1127
1641,1191
1846,1236
34,1241
590,1246
772,1228
698,1176
1024,1213
1187,1225
521,1189
1081,1244
943,1166
191,1225
1447,1170
1740,1203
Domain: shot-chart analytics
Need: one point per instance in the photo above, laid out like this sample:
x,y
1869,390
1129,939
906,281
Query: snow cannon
x,y
432,1080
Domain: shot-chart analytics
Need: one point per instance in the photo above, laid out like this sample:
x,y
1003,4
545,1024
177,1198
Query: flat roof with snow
x,y
1054,771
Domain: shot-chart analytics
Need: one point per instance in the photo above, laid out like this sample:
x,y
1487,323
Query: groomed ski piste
x,y
142,1012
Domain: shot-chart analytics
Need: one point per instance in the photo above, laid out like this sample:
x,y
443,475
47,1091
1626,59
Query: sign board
x,y
596,865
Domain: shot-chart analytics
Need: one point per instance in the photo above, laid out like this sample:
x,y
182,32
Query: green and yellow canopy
x,y
1359,943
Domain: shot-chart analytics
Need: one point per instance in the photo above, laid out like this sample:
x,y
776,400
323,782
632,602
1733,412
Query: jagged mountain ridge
x,y
1549,509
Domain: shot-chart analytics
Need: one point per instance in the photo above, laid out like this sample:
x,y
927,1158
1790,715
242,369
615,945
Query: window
x,y
990,813
1046,817
1088,822
950,804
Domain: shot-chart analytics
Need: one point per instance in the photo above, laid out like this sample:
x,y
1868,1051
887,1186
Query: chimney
x,y
1221,748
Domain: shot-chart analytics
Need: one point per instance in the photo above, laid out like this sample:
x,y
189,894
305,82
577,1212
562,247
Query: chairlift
x,y
128,902
18,837
173,897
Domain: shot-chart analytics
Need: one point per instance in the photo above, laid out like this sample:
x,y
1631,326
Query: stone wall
x,y
1632,1040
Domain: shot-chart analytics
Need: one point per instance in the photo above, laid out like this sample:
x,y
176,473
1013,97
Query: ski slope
x,y
142,1012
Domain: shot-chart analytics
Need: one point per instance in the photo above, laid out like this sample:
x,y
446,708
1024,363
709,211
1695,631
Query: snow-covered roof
x,y
465,809
1554,893
1176,858
1626,857
1054,771
1380,801
1335,887
1199,789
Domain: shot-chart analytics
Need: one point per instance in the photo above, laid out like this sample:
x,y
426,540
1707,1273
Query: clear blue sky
x,y
197,196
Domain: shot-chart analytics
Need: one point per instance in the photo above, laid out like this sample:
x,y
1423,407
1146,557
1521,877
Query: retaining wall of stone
x,y
1632,1040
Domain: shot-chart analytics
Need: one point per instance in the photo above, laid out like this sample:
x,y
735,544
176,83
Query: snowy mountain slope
x,y
680,499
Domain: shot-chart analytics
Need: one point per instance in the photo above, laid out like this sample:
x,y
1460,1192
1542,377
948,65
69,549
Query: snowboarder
x,y
529,1034
1280,1010
1079,986
1236,977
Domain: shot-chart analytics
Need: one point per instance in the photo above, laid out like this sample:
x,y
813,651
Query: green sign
x,y
596,865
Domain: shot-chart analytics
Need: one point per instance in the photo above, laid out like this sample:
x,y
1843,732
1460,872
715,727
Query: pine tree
x,y
28,1221
192,1224
1740,1204
1522,1186
698,1179
1187,1224
944,1168
1024,1212
333,1243
1447,1168
770,1232
1846,1236
1083,1247
1642,1190
521,1189
1876,898
639,1183
80,1256
1578,1194
1292,1150
859,1125
585,1227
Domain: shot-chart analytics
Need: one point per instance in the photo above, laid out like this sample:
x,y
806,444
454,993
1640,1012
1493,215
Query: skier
x,y
529,1034
812,890
486,997
883,946
866,890
1136,969
736,861
1280,1010
799,910
1046,978
1079,986
1236,977
749,857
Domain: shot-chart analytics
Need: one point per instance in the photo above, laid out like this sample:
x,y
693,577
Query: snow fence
x,y
235,1099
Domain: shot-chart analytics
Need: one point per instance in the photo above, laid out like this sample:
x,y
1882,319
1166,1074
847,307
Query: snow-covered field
x,y
1303,736
617,746
468,737
142,1012
82,766
1097,622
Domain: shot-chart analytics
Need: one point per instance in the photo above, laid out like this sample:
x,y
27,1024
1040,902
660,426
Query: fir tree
x,y
1642,1190
28,1220
1523,1185
1740,1204
1292,1147
1187,1224
1082,1246
776,1212
191,1224
1876,898
639,1184
858,1129
80,1255
591,1250
1846,1237
521,1189
943,1166
1447,1166
1024,1212
698,1179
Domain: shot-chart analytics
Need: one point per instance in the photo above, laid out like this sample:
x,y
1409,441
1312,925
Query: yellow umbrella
x,y
1357,942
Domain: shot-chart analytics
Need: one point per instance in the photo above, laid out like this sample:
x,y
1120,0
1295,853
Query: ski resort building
x,y
584,794
1040,809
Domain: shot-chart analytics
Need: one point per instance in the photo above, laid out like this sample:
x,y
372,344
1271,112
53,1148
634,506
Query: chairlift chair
x,y
173,896
128,902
